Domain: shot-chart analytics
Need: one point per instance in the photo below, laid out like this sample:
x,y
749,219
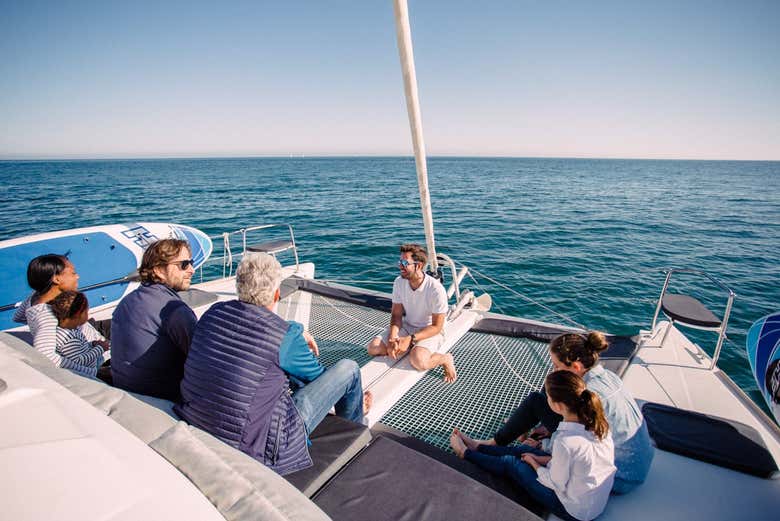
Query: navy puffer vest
x,y
234,388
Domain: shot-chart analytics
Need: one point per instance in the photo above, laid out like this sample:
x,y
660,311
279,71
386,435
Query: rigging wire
x,y
350,281
528,299
509,366
370,326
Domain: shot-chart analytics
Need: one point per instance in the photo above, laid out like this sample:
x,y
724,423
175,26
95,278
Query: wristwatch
x,y
413,342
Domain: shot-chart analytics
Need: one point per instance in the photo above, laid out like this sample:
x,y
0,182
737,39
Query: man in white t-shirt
x,y
417,316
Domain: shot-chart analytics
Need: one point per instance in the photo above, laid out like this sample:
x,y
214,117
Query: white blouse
x,y
581,470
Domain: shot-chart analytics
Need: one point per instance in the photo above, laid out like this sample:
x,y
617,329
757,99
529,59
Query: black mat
x,y
391,482
719,441
503,486
333,443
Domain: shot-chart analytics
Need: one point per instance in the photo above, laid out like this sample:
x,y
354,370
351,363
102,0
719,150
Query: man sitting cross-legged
x,y
417,316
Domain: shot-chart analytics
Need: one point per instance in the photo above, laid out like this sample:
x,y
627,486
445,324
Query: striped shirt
x,y
72,345
43,327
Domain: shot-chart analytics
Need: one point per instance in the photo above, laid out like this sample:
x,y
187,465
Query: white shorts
x,y
432,344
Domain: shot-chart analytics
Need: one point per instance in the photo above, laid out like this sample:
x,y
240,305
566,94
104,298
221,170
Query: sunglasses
x,y
183,264
405,263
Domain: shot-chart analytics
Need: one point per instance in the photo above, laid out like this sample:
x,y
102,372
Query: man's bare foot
x,y
450,374
469,442
368,399
457,444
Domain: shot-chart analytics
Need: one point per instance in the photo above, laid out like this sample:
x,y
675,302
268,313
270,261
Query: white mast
x,y
404,35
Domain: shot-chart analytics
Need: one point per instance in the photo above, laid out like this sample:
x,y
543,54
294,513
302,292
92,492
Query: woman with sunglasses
x,y
152,327
580,354
48,276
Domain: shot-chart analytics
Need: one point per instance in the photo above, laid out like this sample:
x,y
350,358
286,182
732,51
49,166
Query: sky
x,y
632,79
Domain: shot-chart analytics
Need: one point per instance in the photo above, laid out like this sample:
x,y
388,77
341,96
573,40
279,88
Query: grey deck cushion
x,y
616,365
719,441
237,485
389,482
333,443
24,336
688,310
619,354
147,423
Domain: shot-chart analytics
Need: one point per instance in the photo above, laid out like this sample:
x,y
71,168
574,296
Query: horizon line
x,y
174,157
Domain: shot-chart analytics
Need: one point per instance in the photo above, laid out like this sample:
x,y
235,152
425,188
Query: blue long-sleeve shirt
x,y
295,357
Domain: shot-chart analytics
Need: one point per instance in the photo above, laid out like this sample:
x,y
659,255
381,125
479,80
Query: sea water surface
x,y
585,238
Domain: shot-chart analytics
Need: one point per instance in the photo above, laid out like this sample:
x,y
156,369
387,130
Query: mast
x,y
404,35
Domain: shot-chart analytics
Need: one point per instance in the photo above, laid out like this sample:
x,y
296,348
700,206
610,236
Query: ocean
x,y
584,239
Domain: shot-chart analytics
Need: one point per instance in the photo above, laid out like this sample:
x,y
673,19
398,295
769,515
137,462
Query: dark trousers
x,y
533,410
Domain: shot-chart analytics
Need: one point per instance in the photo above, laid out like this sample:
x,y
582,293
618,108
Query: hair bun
x,y
596,342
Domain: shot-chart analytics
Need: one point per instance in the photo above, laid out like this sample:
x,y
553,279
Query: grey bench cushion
x,y
240,487
388,482
333,443
130,411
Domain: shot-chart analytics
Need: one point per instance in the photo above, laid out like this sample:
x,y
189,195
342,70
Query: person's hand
x,y
530,442
403,343
312,343
102,343
539,433
530,459
392,347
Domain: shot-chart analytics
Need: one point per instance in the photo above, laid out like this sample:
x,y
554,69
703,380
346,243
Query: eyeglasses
x,y
183,264
405,263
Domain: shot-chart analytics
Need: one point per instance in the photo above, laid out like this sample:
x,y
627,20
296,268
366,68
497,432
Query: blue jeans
x,y
506,462
339,385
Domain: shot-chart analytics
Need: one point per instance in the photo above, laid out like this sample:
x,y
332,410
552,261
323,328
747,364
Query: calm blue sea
x,y
587,238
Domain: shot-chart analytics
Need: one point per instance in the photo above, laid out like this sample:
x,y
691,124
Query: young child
x,y
575,480
72,311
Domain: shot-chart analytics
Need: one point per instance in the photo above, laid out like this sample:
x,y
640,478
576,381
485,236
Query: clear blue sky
x,y
651,79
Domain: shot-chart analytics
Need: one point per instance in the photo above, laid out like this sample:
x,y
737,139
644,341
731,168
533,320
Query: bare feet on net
x,y
469,442
450,374
458,447
368,399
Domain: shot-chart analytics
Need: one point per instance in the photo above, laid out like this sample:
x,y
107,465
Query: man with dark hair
x,y
417,316
152,327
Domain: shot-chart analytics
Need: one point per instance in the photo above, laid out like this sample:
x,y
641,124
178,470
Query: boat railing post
x,y
227,255
294,248
660,299
722,331
454,287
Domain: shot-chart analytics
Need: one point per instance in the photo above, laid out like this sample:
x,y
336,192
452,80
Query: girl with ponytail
x,y
579,354
575,479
